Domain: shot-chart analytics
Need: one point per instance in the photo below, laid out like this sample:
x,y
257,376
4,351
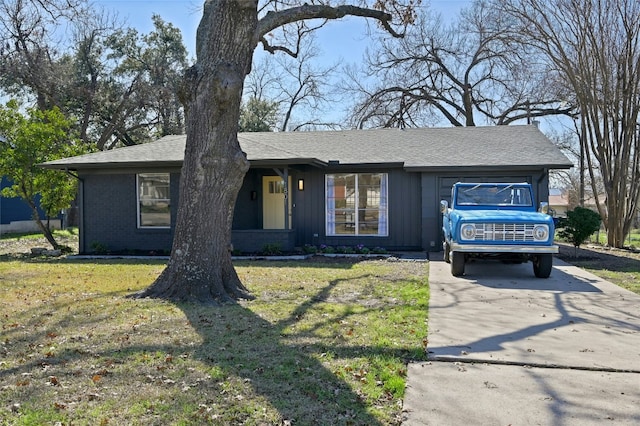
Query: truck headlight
x,y
541,232
468,231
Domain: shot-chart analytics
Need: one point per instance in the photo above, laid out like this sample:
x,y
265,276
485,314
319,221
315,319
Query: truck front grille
x,y
512,232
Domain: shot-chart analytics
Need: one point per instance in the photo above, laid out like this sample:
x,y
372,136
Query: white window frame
x,y
138,201
383,209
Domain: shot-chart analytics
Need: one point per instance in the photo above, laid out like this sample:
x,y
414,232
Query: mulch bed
x,y
603,257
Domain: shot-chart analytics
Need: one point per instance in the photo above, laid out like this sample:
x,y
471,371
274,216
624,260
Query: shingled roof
x,y
427,149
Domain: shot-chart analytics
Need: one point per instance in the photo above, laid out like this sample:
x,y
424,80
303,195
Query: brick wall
x,y
253,241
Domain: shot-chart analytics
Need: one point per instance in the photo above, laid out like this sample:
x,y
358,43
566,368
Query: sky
x,y
343,40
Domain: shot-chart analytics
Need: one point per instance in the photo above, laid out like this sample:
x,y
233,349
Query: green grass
x,y
323,343
628,278
632,240
624,272
620,267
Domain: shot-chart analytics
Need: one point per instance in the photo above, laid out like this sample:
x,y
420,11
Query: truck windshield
x,y
494,195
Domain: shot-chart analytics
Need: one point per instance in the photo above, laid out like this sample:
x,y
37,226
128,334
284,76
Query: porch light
x,y
300,184
254,195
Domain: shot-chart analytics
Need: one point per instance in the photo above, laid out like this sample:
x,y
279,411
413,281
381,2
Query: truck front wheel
x,y
457,264
542,265
447,250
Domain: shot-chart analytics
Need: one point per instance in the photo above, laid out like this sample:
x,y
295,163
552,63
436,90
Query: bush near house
x,y
579,225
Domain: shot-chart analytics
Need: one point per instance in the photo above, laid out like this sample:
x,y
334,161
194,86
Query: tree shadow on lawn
x,y
284,366
249,355
612,260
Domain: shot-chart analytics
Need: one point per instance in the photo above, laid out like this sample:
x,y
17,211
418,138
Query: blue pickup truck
x,y
499,221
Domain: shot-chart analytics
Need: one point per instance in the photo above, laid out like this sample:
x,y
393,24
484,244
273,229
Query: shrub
x,y
327,249
361,249
579,224
309,249
272,249
99,248
345,250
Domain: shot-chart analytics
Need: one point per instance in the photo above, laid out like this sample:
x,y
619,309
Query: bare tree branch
x,y
595,48
276,19
457,74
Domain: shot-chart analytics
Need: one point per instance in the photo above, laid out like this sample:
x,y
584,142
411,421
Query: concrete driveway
x,y
506,348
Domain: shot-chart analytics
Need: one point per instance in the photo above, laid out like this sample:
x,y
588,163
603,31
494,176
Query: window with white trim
x,y
356,204
154,202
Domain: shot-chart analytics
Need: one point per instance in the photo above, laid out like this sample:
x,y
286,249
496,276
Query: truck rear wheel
x,y
457,264
542,265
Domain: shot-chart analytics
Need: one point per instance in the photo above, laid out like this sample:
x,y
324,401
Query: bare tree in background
x,y
595,48
305,90
301,88
457,73
30,50
570,181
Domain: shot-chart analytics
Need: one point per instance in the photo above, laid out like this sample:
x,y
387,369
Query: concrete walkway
x,y
507,348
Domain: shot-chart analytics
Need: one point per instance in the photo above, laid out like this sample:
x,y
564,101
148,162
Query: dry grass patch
x,y
323,343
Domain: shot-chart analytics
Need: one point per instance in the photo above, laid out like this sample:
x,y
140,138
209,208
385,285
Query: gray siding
x,y
109,210
403,210
109,216
252,241
248,211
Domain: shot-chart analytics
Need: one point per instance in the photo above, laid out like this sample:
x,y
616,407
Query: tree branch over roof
x,y
276,19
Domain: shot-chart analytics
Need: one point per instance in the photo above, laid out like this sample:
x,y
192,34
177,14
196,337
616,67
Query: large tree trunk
x,y
200,267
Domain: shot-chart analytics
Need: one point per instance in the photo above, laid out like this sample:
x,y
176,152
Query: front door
x,y
273,202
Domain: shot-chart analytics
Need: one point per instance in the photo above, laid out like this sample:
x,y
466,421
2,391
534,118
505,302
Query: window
x,y
154,208
356,204
497,195
276,187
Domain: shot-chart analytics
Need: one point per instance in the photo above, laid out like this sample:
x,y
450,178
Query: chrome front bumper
x,y
485,248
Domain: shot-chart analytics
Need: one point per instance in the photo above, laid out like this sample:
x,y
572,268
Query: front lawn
x,y
323,343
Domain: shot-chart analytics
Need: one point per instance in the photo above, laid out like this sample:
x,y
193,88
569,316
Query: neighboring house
x,y
379,188
559,202
16,216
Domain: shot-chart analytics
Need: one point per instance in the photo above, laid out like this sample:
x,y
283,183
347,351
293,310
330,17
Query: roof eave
x,y
111,165
445,168
288,162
